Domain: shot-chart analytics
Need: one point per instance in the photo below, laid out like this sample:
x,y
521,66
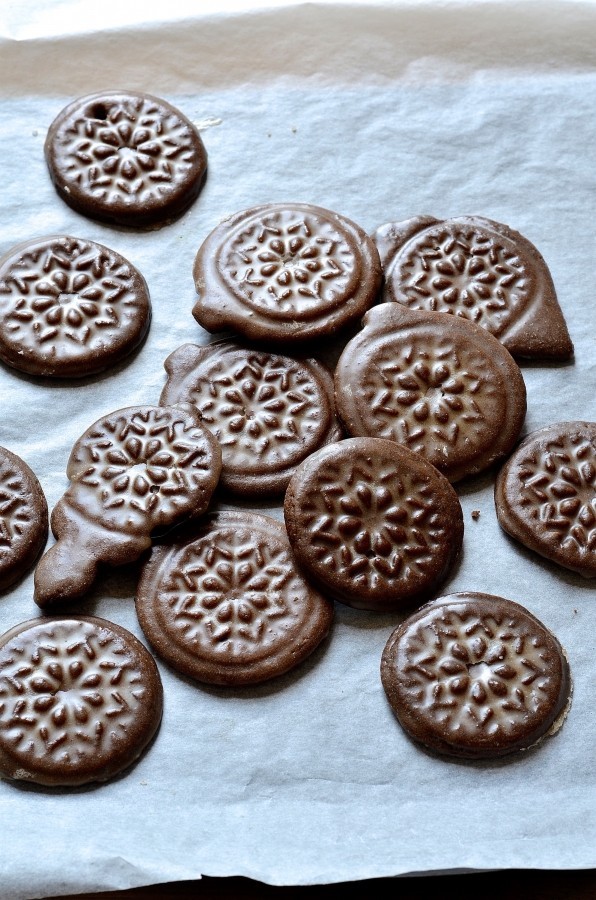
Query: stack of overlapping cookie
x,y
371,520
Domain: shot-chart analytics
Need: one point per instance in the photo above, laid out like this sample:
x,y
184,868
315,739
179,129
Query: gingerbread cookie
x,y
480,270
134,471
285,272
80,699
23,518
228,606
267,411
374,525
125,157
478,676
69,307
545,495
439,385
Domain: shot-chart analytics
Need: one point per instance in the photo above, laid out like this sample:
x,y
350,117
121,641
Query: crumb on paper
x,y
475,514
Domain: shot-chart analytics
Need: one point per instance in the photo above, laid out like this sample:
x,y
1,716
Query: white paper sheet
x,y
379,111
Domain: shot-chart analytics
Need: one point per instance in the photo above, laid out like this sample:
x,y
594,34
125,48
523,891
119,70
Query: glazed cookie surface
x,y
480,270
228,606
80,699
267,411
23,518
285,272
69,307
441,386
125,157
373,524
545,495
474,675
135,471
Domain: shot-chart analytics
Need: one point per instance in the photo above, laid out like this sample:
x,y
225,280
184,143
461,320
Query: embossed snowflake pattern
x,y
232,592
560,484
371,523
471,673
464,271
65,696
67,290
15,512
429,394
262,409
289,263
152,461
130,149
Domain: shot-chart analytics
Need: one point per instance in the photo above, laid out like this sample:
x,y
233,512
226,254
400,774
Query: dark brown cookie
x,y
23,518
80,699
267,411
69,307
437,384
480,270
545,495
125,157
285,272
478,676
133,472
374,525
228,606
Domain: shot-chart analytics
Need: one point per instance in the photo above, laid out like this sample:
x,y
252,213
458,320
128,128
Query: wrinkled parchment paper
x,y
380,111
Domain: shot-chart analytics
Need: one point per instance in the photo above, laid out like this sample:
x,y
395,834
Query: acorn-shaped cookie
x,y
134,471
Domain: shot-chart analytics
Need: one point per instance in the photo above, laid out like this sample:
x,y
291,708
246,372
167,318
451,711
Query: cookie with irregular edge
x,y
69,307
477,676
285,272
545,495
441,386
480,270
372,524
80,700
132,472
267,411
228,605
125,157
23,518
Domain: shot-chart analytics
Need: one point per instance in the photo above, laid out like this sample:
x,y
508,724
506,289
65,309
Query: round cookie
x,y
480,270
545,495
267,411
23,518
474,675
372,524
125,157
133,472
228,606
80,699
285,272
69,307
441,386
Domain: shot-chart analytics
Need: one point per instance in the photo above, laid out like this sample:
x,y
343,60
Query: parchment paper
x,y
379,111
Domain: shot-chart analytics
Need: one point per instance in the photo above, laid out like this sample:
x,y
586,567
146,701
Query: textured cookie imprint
x,y
137,470
285,271
126,157
79,700
267,411
375,524
466,270
441,388
69,306
475,675
546,495
480,270
229,606
23,517
142,467
290,263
